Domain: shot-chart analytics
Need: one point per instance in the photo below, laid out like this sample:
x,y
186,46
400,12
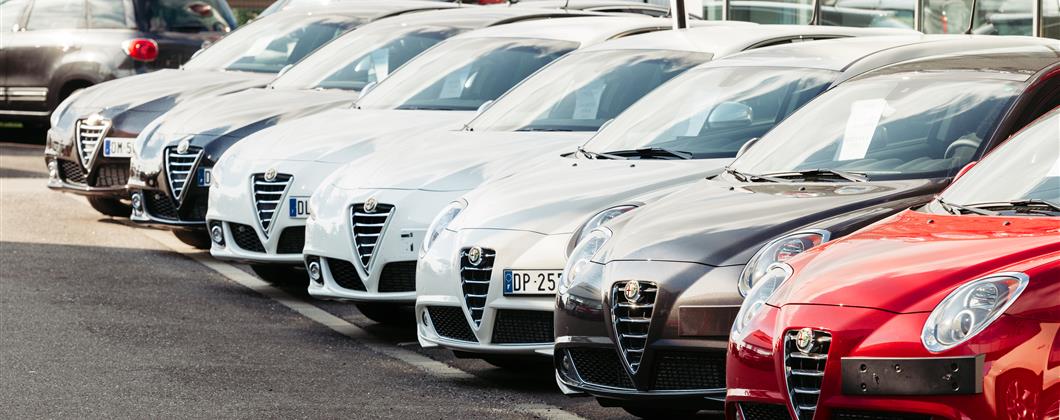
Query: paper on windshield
x,y
454,83
381,63
861,126
587,101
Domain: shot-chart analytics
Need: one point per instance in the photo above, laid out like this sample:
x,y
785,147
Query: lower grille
x,y
268,197
523,327
88,136
112,175
475,279
449,322
687,370
159,205
72,172
756,411
368,221
179,167
292,240
398,277
601,367
345,274
194,207
631,317
245,237
876,415
805,370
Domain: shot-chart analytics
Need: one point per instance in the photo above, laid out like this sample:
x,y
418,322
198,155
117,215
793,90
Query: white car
x,y
487,282
261,186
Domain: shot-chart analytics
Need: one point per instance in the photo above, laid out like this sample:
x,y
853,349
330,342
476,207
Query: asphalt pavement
x,y
99,318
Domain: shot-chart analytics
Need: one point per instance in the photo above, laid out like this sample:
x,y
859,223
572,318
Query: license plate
x,y
531,282
204,177
298,207
116,147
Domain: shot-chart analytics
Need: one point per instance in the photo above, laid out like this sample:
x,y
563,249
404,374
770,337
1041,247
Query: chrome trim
x,y
488,258
631,354
818,354
368,235
188,162
267,216
87,138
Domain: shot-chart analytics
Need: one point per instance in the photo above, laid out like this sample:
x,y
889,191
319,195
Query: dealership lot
x,y
157,331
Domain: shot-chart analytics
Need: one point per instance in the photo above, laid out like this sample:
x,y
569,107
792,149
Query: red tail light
x,y
141,49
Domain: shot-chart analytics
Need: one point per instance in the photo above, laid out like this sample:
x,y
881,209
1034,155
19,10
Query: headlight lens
x,y
779,250
440,222
970,309
757,297
596,221
580,263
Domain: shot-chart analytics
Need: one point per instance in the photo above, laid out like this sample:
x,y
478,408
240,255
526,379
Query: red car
x,y
950,311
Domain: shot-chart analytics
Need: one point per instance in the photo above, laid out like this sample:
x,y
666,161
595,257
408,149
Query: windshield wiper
x,y
653,152
959,209
1028,205
595,155
820,173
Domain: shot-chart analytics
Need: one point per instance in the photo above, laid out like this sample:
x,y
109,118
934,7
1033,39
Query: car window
x,y
1051,19
11,13
107,14
270,44
1010,17
789,12
185,16
56,14
946,16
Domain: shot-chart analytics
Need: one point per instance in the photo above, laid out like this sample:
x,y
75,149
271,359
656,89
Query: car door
x,y
12,13
35,51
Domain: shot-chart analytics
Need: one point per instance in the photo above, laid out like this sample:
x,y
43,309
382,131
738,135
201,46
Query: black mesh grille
x,y
449,322
687,370
72,172
876,415
194,207
600,367
523,327
245,237
292,240
345,274
754,411
475,279
159,205
805,371
398,277
113,174
631,319
368,227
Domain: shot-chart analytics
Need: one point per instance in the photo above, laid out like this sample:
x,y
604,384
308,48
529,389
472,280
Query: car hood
x,y
161,90
341,135
720,223
916,259
562,193
452,160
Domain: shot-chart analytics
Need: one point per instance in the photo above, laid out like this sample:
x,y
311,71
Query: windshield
x,y
711,112
270,44
361,57
463,74
1025,167
888,127
583,90
186,16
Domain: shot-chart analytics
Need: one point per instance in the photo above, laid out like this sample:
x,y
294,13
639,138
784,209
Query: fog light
x,y
314,272
217,234
423,318
53,169
137,202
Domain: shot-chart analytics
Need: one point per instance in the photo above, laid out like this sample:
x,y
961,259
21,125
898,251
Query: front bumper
x,y
171,190
874,364
102,176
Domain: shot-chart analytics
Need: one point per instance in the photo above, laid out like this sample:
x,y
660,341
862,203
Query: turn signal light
x,y
141,49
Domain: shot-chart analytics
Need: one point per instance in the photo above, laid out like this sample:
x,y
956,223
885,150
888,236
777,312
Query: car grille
x,y
475,281
755,411
368,229
687,370
72,172
345,274
449,322
601,367
523,327
876,415
398,277
245,237
632,319
159,205
292,240
88,137
179,168
805,371
113,174
267,198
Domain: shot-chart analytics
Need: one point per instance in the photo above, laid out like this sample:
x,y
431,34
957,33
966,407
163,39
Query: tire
x,y
110,206
194,238
281,274
388,313
661,413
518,363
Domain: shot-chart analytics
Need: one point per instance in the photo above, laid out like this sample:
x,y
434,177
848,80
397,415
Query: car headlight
x,y
757,297
580,265
970,309
596,221
441,222
779,250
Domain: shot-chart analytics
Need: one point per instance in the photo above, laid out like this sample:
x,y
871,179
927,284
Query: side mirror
x,y
965,170
368,88
730,115
747,145
482,108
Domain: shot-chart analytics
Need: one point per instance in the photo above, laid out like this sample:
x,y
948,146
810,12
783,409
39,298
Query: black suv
x,y
51,48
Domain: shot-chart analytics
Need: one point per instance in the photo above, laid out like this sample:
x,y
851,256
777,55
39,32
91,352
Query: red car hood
x,y
910,262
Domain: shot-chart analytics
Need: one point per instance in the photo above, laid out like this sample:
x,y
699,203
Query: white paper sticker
x,y
861,126
381,63
587,101
454,83
695,123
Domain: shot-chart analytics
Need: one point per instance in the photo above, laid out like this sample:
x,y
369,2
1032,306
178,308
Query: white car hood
x,y
453,160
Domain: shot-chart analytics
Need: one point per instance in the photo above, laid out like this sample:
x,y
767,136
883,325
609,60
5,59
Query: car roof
x,y
475,17
364,9
584,4
1016,58
829,54
583,30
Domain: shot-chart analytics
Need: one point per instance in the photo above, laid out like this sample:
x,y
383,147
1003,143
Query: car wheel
x,y
661,413
518,363
110,206
387,313
193,238
281,274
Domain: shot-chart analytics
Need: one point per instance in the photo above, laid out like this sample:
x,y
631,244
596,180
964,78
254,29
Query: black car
x,y
91,139
52,48
646,316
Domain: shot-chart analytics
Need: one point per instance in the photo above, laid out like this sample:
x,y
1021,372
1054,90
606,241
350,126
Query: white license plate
x,y
531,282
203,177
298,207
117,147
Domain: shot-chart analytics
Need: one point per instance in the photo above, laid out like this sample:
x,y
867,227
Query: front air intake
x,y
632,303
805,355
